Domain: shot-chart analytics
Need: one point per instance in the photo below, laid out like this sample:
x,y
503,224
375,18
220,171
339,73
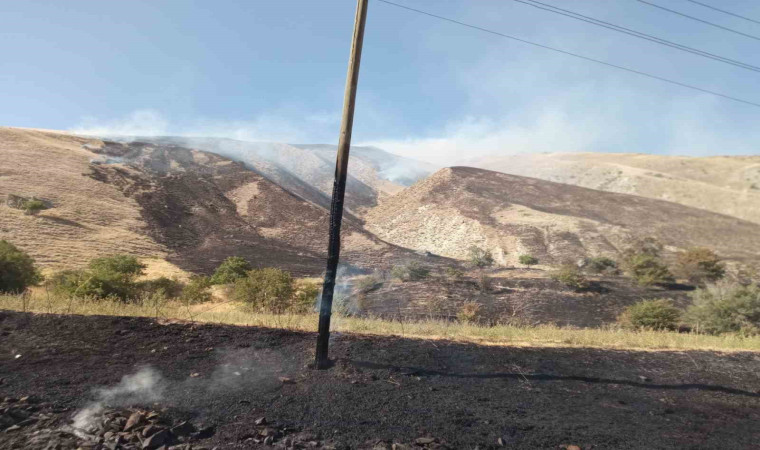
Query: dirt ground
x,y
385,390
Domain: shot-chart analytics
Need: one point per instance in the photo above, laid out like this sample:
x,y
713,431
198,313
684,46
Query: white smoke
x,y
146,385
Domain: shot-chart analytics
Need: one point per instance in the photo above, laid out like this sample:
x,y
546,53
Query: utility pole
x,y
339,187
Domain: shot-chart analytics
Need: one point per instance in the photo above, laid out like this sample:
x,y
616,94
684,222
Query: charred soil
x,y
386,390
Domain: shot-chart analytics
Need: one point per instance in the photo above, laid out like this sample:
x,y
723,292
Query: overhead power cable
x,y
638,72
724,11
634,33
699,20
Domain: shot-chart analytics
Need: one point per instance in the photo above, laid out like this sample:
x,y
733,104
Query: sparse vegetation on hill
x,y
601,265
411,271
570,275
230,270
699,266
479,257
17,269
726,308
658,314
528,260
34,206
196,290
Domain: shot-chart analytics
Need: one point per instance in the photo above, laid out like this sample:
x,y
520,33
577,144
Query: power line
x,y
699,20
723,11
638,34
656,77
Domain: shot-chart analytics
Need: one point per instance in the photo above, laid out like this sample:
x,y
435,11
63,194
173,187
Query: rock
x,y
572,447
195,375
6,421
12,428
260,421
286,380
152,416
134,420
157,440
644,379
269,440
397,446
424,440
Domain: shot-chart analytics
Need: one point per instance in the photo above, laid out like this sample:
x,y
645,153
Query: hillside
x,y
460,207
723,184
190,207
309,170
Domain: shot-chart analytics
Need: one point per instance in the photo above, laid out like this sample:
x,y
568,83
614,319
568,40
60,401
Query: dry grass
x,y
230,313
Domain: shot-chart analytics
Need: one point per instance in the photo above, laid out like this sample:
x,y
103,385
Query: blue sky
x,y
275,70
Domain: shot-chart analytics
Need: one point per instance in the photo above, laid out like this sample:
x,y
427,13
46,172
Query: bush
x,y
412,271
33,206
305,298
658,314
601,264
125,266
479,257
570,275
267,289
230,270
699,265
17,270
107,277
468,312
647,269
726,307
196,290
170,287
528,260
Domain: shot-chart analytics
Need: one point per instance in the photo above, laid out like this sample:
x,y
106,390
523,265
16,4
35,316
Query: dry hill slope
x,y
461,207
724,184
159,200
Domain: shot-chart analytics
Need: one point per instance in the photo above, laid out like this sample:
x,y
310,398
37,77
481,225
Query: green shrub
x,y
601,264
170,287
17,270
75,283
122,265
647,269
412,271
196,290
33,206
726,307
267,289
658,314
528,260
570,275
699,265
479,257
230,270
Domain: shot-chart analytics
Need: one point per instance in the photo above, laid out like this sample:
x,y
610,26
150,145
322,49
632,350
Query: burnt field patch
x,y
381,390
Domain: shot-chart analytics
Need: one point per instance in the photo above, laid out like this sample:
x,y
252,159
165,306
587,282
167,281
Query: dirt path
x,y
391,389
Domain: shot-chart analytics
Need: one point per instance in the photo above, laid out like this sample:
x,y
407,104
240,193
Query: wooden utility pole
x,y
339,187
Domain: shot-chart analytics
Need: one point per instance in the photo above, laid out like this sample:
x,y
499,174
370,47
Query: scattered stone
x,y
261,421
134,420
157,440
644,379
424,440
183,429
286,380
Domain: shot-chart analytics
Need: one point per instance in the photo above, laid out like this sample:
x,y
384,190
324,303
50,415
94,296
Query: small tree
x,y
230,270
699,265
196,290
123,265
570,275
647,269
479,257
267,289
33,206
17,270
658,314
726,307
528,260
